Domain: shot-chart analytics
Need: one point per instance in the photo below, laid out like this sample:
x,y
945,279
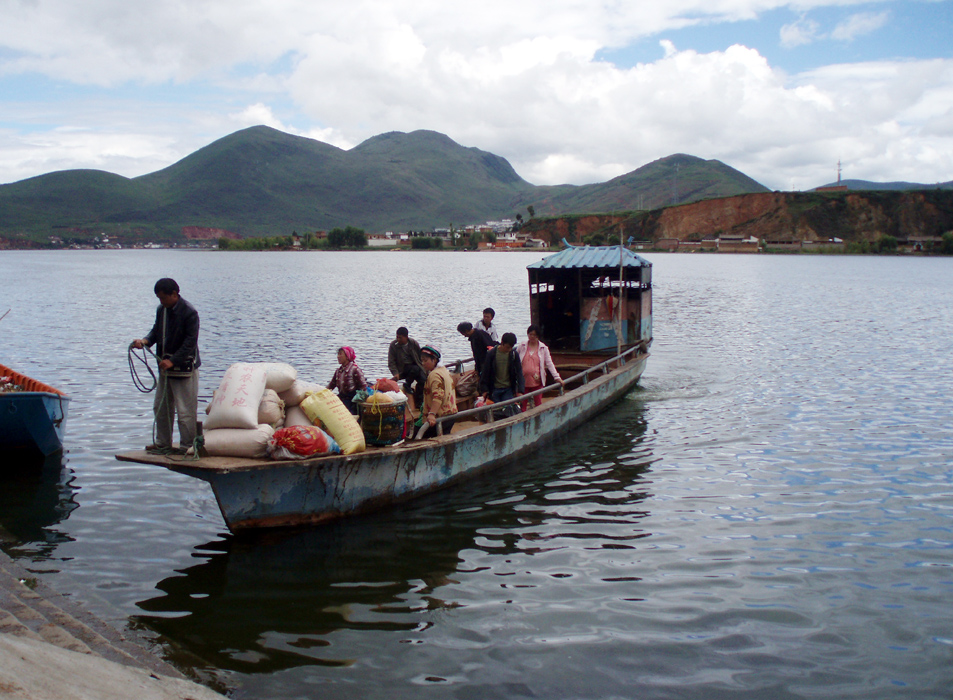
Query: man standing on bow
x,y
175,334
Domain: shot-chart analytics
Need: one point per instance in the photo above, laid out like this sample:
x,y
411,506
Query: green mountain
x,y
260,181
676,179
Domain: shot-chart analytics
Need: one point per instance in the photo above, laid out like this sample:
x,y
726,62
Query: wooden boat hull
x,y
262,493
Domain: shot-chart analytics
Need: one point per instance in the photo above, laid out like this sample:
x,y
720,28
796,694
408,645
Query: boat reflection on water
x,y
269,602
36,493
273,600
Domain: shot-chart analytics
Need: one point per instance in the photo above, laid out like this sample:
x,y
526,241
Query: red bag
x,y
387,385
304,440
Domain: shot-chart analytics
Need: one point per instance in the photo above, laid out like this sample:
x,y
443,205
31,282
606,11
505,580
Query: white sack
x,y
280,376
235,404
271,410
237,442
295,416
297,392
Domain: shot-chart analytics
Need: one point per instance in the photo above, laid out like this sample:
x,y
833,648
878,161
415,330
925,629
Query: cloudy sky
x,y
569,91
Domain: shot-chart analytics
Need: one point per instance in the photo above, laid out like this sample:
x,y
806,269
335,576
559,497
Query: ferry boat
x,y
593,305
32,416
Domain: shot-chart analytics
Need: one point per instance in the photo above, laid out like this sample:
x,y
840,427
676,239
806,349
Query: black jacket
x,y
181,340
479,342
488,373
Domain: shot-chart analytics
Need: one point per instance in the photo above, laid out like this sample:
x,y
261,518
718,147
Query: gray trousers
x,y
178,396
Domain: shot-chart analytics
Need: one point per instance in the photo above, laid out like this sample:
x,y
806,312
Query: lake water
x,y
769,515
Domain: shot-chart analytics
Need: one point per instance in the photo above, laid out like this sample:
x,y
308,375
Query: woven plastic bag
x,y
271,410
301,441
467,383
386,384
298,391
279,375
324,407
237,399
295,416
238,442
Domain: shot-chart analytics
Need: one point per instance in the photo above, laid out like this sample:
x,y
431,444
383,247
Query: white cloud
x,y
859,25
807,31
517,79
804,31
65,148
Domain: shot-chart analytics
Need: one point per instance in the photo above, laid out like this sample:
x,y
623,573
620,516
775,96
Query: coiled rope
x,y
144,359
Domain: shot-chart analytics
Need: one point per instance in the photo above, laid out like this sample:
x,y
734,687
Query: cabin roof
x,y
588,256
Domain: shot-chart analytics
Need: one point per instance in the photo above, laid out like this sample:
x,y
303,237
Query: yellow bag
x,y
325,407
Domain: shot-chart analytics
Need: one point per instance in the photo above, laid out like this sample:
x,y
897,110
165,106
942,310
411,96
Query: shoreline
x,y
52,647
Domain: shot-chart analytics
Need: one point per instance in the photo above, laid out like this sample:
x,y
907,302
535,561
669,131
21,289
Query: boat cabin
x,y
591,301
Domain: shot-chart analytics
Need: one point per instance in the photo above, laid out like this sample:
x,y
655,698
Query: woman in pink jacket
x,y
536,360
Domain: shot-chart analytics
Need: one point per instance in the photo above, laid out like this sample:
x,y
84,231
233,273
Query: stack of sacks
x,y
325,408
246,409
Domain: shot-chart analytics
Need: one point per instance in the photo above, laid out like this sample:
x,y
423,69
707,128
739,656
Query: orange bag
x,y
387,385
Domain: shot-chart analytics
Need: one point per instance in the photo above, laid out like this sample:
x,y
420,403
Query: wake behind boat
x,y
593,306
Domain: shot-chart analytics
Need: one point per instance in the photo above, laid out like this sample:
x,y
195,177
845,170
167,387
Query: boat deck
x,y
218,463
568,365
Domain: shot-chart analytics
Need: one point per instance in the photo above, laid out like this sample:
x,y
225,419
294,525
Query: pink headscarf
x,y
349,353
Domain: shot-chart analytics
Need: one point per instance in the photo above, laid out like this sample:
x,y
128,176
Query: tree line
x,y
349,237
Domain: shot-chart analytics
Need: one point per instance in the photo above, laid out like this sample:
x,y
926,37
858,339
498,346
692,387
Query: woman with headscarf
x,y
439,396
348,378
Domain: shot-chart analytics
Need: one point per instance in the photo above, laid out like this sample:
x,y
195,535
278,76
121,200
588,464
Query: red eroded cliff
x,y
805,216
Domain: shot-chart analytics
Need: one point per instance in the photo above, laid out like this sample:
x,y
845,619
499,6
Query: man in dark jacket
x,y
502,375
480,343
175,334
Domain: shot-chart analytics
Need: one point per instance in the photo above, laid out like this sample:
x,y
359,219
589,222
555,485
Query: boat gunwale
x,y
583,375
52,394
20,378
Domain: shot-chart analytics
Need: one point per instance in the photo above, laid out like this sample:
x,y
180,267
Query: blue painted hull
x,y
258,494
32,421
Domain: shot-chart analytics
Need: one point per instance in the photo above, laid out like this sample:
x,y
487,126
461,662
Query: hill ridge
x,y
263,181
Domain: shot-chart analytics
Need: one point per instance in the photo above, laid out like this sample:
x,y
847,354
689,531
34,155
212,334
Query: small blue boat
x,y
32,415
